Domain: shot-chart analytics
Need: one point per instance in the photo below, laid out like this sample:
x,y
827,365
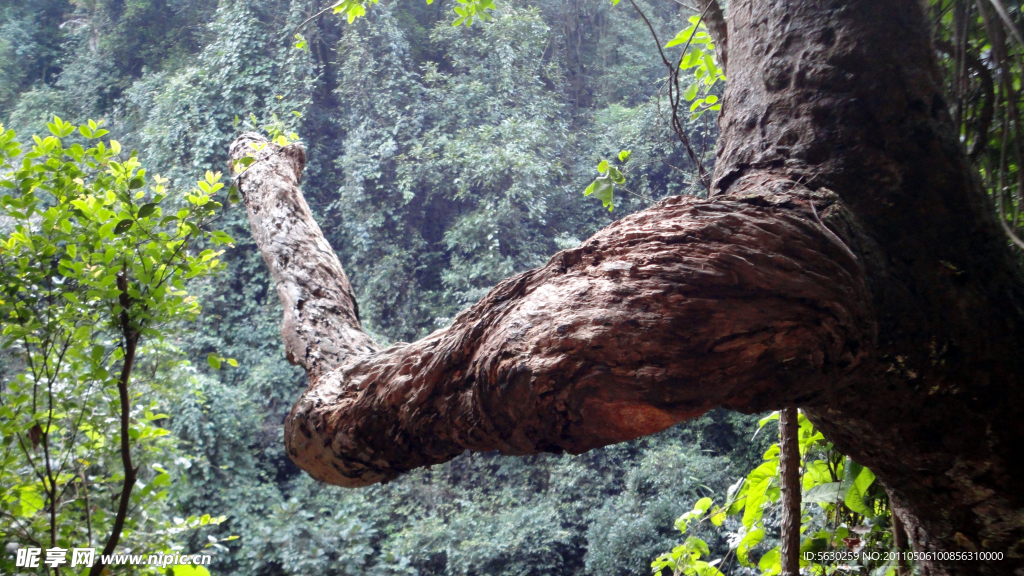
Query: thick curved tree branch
x,y
321,326
689,305
906,355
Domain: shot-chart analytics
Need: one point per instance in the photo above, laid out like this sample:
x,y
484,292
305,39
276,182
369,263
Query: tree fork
x,y
895,319
621,337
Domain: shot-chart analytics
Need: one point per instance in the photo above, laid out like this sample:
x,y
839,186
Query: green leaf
x,y
705,569
758,483
603,166
858,479
709,61
147,210
736,496
750,539
123,226
828,493
691,59
190,570
698,545
682,37
213,360
812,546
691,91
106,229
603,190
30,501
771,562
718,518
136,183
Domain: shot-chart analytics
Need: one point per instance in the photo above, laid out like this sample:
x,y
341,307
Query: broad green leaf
x,y
123,226
683,36
858,479
718,518
829,493
107,229
691,91
603,190
750,539
698,545
147,210
709,61
30,501
770,562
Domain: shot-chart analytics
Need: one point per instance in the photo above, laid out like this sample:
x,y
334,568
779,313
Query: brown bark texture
x,y
848,263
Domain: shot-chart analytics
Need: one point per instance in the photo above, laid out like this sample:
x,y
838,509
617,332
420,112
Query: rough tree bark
x,y
849,263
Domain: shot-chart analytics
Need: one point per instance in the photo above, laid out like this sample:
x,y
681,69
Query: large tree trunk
x,y
895,318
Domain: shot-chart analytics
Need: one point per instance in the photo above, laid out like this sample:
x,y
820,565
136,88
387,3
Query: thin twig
x,y
674,94
832,235
311,18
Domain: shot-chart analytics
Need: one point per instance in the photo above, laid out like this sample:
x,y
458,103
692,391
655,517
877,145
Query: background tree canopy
x,y
441,160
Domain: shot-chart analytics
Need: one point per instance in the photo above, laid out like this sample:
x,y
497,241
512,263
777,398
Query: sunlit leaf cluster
x,y
844,510
94,259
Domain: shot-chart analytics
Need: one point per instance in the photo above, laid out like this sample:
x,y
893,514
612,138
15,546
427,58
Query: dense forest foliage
x,y
441,160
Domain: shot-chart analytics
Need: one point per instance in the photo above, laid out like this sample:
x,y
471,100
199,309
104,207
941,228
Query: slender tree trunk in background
x,y
131,342
849,263
789,470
